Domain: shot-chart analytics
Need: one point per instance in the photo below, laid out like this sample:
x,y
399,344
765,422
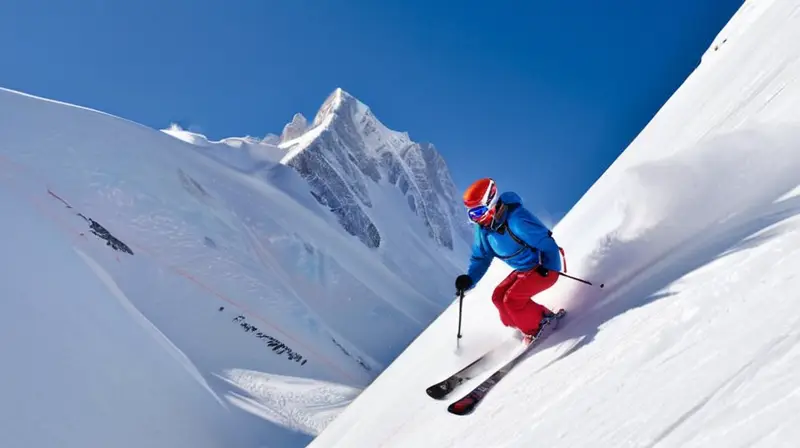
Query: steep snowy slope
x,y
695,340
225,253
85,368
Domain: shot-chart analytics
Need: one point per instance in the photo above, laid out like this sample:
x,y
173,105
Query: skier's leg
x,y
498,297
524,312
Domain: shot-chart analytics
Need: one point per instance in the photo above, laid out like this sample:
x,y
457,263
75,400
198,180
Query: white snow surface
x,y
245,316
85,368
695,339
246,154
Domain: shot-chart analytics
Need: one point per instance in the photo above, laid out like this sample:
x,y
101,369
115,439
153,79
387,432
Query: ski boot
x,y
547,318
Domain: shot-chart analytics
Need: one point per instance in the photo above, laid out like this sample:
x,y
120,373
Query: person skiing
x,y
508,231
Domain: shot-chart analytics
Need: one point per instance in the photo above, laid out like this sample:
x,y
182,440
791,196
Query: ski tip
x,y
438,392
463,406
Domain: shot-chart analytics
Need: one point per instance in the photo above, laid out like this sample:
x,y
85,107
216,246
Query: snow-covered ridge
x,y
347,156
247,154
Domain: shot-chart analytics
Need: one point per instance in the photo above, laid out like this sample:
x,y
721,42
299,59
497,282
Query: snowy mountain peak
x,y
348,155
367,175
337,101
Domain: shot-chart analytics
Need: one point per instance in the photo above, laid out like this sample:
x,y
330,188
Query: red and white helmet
x,y
480,198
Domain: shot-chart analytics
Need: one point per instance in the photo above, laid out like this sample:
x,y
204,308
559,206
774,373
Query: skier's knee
x,y
515,303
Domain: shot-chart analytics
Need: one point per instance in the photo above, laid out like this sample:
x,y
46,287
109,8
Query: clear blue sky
x,y
542,95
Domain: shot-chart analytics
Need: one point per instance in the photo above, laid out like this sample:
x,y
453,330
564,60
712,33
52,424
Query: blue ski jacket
x,y
528,228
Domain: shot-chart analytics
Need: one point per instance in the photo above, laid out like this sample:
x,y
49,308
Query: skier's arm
x,y
479,261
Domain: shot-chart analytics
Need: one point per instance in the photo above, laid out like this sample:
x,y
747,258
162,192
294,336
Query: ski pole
x,y
460,307
568,276
578,279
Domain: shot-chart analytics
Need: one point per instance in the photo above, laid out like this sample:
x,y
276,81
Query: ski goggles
x,y
476,213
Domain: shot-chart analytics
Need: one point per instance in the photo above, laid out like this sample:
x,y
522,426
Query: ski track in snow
x,y
695,232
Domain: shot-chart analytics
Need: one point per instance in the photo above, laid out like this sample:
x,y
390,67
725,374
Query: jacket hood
x,y
509,197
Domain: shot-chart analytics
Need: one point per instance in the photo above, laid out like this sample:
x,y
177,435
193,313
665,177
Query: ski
x,y
479,365
467,404
444,387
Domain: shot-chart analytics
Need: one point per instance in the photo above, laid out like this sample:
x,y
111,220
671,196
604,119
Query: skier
x,y
506,230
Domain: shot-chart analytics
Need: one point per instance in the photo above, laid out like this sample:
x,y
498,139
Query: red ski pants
x,y
512,297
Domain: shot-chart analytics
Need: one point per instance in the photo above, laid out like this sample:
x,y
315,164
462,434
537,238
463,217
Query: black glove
x,y
463,282
541,270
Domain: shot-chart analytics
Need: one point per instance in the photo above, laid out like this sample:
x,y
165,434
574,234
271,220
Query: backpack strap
x,y
501,230
519,241
523,245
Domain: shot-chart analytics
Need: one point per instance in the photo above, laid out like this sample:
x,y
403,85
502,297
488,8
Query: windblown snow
x,y
695,339
162,289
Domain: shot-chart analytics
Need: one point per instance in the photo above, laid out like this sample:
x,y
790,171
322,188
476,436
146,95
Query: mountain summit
x,y
376,181
347,154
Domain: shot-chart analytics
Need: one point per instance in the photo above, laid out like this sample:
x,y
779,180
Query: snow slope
x,y
87,369
695,340
164,258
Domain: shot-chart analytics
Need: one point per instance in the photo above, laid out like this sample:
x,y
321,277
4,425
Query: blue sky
x,y
541,95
